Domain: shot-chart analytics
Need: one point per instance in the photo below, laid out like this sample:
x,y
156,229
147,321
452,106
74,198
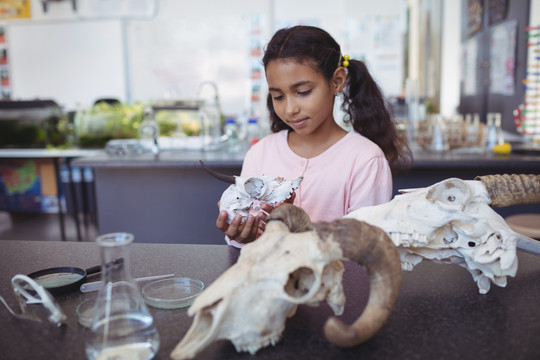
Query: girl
x,y
342,170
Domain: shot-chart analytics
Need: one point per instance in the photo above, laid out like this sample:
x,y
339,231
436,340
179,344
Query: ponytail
x,y
370,114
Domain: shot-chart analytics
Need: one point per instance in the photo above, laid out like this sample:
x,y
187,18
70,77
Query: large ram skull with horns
x,y
452,222
294,262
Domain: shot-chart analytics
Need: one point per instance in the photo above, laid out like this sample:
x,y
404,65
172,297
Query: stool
x,y
525,224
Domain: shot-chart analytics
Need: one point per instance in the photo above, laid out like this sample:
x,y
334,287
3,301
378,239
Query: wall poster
x,y
470,59
15,9
475,12
5,84
376,40
502,58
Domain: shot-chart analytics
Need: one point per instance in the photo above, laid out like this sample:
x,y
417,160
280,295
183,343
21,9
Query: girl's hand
x,y
268,208
244,233
252,228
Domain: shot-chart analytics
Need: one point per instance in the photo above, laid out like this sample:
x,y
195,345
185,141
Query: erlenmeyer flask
x,y
122,327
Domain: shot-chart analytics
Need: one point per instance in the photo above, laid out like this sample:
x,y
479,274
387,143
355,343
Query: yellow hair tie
x,y
345,62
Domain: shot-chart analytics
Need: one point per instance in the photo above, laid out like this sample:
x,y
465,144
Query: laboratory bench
x,y
439,313
171,198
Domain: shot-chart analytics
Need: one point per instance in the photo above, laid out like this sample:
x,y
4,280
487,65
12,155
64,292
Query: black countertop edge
x,y
190,159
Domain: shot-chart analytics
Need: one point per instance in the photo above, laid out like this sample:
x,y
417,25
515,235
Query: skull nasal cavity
x,y
300,282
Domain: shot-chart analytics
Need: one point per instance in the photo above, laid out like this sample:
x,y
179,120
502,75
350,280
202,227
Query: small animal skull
x,y
294,262
451,222
247,193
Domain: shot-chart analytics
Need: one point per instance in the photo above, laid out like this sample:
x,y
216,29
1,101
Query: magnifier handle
x,y
90,286
93,270
97,268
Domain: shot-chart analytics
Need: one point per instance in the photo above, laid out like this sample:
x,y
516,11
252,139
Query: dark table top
x,y
439,313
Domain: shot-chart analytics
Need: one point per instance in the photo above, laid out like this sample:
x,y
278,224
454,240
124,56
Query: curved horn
x,y
507,190
225,178
370,247
296,219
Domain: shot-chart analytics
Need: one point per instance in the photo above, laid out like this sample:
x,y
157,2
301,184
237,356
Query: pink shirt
x,y
351,174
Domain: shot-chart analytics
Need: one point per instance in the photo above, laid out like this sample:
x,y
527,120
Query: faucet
x,y
216,92
212,130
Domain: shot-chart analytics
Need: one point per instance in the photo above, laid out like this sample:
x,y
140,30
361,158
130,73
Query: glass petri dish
x,y
85,311
172,293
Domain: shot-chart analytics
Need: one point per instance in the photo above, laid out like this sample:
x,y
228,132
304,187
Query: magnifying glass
x,y
60,280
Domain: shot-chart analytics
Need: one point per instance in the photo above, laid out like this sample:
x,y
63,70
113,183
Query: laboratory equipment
x,y
122,327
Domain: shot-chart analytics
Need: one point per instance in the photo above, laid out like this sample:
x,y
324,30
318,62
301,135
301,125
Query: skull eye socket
x,y
254,187
471,244
300,282
451,191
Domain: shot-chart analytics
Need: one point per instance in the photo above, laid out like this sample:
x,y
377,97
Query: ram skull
x,y
452,222
294,262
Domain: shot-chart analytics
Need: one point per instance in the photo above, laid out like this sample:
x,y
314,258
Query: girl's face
x,y
301,96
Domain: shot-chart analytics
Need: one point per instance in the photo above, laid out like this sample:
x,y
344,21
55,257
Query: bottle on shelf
x,y
253,132
491,130
498,129
149,131
232,142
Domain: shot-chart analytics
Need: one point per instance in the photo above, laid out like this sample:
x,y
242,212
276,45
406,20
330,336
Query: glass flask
x,y
122,327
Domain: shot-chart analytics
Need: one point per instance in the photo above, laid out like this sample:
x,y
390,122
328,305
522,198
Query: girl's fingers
x,y
261,224
252,228
290,200
267,208
234,227
247,234
221,221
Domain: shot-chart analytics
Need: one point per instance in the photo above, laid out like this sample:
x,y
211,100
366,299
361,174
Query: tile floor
x,y
44,227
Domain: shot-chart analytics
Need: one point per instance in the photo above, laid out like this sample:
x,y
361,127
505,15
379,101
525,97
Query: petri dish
x,y
173,293
85,311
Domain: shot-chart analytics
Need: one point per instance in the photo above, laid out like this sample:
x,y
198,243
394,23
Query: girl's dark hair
x,y
367,109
